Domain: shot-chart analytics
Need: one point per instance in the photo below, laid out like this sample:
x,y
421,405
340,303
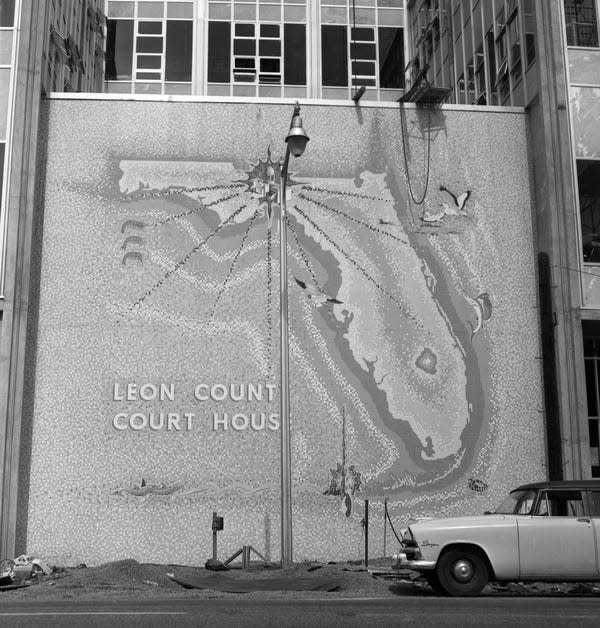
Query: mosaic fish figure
x,y
314,294
132,239
483,310
132,224
135,255
146,489
479,486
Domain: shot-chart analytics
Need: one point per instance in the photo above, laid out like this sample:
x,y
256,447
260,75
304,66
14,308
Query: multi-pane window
x,y
7,39
257,48
7,13
581,22
514,47
362,56
264,48
588,182
361,45
149,50
591,352
256,53
149,44
480,88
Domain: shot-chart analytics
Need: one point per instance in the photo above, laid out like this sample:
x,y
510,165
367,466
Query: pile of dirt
x,y
129,578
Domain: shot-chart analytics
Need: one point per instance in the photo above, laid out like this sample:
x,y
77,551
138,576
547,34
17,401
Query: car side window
x,y
595,503
525,503
560,504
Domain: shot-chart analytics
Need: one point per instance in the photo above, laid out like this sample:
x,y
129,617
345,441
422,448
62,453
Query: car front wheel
x,y
462,572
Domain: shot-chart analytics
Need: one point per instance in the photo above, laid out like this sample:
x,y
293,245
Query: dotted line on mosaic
x,y
340,193
269,296
195,210
232,265
307,263
133,196
390,296
353,219
179,264
303,255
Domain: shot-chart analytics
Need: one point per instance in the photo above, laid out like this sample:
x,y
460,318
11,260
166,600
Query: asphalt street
x,y
313,613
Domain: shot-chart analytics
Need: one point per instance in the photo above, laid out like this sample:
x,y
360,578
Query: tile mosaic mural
x,y
414,350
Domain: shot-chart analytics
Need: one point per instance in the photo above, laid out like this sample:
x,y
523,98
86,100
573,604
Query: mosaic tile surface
x,y
414,347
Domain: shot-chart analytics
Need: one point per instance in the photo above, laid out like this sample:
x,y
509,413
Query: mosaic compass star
x,y
264,181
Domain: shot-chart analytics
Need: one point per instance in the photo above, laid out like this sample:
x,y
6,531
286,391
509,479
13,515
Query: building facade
x,y
583,71
483,51
44,46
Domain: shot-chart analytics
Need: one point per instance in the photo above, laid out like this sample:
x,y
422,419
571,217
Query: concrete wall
x,y
414,340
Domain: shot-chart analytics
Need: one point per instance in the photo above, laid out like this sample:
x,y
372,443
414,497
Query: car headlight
x,y
410,546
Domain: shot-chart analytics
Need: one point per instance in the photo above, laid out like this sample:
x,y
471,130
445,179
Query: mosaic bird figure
x,y
314,294
457,206
452,206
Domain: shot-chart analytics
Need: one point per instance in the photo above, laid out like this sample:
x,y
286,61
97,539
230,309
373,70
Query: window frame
x,y
158,74
566,25
543,497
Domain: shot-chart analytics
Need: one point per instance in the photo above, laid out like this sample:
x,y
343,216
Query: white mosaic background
x,y
480,406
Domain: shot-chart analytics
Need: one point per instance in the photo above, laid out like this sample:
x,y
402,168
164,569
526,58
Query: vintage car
x,y
544,531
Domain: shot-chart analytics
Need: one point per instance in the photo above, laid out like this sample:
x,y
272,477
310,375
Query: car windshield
x,y
517,503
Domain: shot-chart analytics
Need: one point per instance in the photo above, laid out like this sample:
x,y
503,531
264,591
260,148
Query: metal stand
x,y
385,503
245,553
366,524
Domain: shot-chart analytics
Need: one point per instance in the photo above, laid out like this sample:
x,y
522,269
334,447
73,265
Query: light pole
x,y
296,143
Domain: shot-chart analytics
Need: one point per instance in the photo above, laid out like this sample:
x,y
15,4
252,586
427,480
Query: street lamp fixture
x,y
296,141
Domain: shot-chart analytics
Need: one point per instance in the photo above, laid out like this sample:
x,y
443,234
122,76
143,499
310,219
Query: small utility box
x,y
217,526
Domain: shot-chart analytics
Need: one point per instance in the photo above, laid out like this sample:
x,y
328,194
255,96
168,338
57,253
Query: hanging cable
x,y
428,159
387,516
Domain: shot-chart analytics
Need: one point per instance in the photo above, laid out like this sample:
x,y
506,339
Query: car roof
x,y
582,484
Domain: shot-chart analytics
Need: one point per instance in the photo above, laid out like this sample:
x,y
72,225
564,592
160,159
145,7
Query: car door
x,y
557,540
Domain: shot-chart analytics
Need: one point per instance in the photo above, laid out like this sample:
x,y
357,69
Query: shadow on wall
x,y
31,350
555,458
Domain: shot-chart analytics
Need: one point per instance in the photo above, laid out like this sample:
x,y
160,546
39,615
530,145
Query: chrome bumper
x,y
400,561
